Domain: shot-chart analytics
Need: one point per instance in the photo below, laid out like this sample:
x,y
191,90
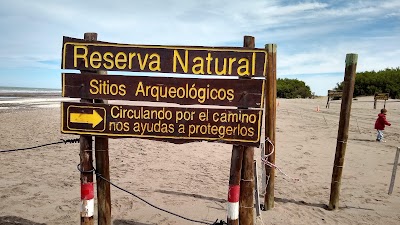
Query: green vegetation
x,y
292,88
371,82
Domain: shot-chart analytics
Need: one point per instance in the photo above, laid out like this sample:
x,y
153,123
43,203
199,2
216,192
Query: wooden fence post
x,y
86,164
327,102
341,144
393,178
270,125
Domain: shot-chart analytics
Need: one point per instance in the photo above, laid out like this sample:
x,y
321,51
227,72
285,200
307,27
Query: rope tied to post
x,y
266,162
93,170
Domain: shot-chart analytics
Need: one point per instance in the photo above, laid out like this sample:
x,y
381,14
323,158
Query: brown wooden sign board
x,y
333,94
381,96
234,126
186,91
95,55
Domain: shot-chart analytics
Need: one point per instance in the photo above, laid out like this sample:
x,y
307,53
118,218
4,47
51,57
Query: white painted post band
x,y
396,161
233,202
87,209
87,199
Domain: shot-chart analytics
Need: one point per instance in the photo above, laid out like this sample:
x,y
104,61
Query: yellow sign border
x,y
87,131
86,107
219,49
261,100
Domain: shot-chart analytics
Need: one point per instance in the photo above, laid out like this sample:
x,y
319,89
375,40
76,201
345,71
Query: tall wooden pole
x,y
103,168
240,199
246,202
86,164
102,165
270,124
348,89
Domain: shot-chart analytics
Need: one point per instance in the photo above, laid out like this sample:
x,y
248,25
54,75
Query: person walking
x,y
380,125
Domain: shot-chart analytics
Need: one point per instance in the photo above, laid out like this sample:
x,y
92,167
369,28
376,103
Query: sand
x,y
42,186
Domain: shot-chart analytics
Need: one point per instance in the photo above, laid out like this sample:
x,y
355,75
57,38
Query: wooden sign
x,y
163,123
334,94
95,55
187,91
381,96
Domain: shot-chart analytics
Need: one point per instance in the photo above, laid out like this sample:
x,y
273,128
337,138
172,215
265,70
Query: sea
x,y
28,90
24,97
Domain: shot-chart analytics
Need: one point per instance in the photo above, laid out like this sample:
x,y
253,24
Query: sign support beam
x,y
86,165
270,126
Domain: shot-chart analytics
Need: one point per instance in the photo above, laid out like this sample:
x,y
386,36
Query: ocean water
x,y
22,97
16,90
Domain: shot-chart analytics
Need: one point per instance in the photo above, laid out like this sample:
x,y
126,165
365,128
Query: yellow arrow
x,y
93,118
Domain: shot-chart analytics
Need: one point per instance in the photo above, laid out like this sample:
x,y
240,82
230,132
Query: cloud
x,y
313,37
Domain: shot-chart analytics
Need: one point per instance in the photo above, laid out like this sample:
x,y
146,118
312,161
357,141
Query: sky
x,y
313,37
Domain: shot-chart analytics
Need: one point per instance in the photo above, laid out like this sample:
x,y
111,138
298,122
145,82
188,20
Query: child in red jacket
x,y
380,125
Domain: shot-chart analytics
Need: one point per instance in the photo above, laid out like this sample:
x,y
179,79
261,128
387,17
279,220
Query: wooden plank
x,y
163,123
187,91
334,94
381,96
95,55
343,130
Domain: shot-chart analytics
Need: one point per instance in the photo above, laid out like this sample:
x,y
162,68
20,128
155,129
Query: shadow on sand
x,y
316,205
129,222
192,195
284,200
14,220
359,139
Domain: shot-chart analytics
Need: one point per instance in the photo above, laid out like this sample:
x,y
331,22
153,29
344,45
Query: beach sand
x,y
42,186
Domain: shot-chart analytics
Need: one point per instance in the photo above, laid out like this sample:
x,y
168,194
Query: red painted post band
x,y
87,191
233,193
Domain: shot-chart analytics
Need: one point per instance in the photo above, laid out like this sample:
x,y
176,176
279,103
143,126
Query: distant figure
x,y
380,125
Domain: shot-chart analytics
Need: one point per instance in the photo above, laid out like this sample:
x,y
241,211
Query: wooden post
x,y
246,202
327,103
384,104
375,103
234,185
240,198
263,174
270,124
256,192
103,168
396,162
86,164
347,95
